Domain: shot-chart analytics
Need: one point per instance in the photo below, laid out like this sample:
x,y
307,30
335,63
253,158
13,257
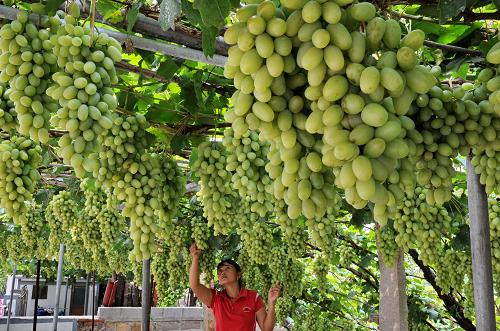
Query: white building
x,y
71,299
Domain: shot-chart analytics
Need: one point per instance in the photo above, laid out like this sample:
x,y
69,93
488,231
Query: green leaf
x,y
192,14
462,239
450,8
178,142
132,14
462,71
359,218
52,6
110,11
169,11
213,12
208,37
366,260
189,96
497,3
163,116
193,157
167,68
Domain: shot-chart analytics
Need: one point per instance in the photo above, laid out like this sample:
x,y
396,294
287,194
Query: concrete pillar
x,y
393,309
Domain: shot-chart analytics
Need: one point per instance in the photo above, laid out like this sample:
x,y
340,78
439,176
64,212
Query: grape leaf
x,y
167,68
52,6
169,11
110,11
132,14
178,142
450,8
213,12
208,35
192,14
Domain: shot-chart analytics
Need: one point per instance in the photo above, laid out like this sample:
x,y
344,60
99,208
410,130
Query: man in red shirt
x,y
235,308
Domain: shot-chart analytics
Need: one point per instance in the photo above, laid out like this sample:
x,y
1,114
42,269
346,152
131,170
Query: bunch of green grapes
x,y
160,272
256,236
307,78
136,267
16,247
150,191
293,234
451,268
278,262
220,201
56,233
284,308
19,175
27,62
62,211
87,228
31,230
117,259
111,223
201,232
247,156
177,238
256,276
320,270
312,318
494,217
82,89
8,115
323,231
387,246
120,146
421,225
347,254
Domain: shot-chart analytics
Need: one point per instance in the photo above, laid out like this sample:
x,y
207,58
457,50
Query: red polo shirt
x,y
238,315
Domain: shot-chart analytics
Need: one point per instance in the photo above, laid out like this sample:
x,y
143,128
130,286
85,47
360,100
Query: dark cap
x,y
230,262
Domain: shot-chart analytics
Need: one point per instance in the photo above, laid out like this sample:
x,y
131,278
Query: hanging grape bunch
x,y
82,89
387,246
8,115
26,64
247,156
309,82
494,216
31,230
112,224
218,197
62,211
20,158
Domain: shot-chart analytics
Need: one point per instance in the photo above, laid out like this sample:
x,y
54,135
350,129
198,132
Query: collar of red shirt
x,y
243,293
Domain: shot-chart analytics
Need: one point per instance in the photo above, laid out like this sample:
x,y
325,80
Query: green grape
x,y
494,217
160,272
62,212
27,64
347,254
447,265
82,89
8,115
256,236
19,175
284,307
218,198
321,269
201,232
246,158
32,230
323,232
386,240
421,225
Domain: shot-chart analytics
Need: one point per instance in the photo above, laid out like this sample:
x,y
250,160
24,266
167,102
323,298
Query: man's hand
x,y
274,293
194,251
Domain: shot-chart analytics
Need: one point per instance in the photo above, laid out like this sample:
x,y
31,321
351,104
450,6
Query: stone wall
x,y
164,319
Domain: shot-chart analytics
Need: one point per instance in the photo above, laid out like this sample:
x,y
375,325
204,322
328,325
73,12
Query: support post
x,y
13,283
146,294
66,295
482,275
93,299
393,310
86,300
58,285
37,293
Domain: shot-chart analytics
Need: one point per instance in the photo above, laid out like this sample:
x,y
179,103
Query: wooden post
x,y
482,275
146,295
86,299
37,293
393,310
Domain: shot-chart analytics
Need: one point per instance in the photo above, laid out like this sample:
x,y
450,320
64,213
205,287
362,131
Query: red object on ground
x,y
155,296
107,294
113,294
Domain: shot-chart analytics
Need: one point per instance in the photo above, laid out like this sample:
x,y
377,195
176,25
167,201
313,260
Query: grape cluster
x,y
62,212
20,158
386,241
256,236
111,223
421,225
31,230
8,115
27,61
247,156
160,272
323,231
220,201
201,234
451,267
494,216
177,238
309,82
321,268
284,308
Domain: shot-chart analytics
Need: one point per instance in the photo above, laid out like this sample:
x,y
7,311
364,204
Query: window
x,y
42,292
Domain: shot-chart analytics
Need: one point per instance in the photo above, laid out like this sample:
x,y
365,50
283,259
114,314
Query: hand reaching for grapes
x,y
274,293
194,251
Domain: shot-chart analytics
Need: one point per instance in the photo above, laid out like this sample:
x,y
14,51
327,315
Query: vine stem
x,y
92,18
